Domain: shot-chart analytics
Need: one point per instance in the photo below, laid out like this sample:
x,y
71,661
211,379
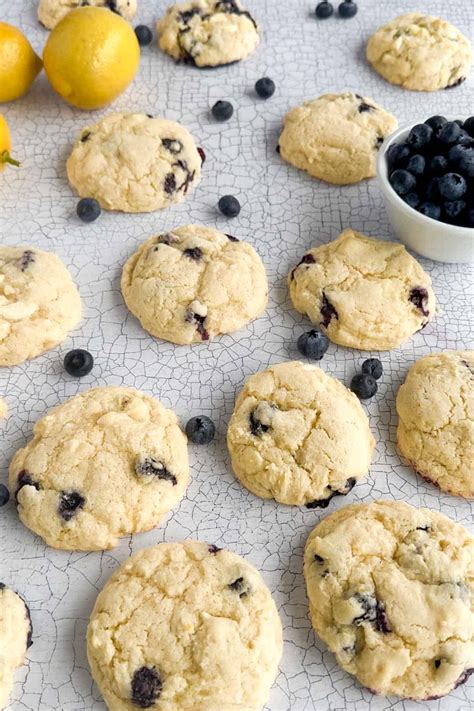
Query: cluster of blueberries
x,y
433,169
346,9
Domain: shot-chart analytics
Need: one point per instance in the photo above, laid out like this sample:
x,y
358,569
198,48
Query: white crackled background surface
x,y
284,212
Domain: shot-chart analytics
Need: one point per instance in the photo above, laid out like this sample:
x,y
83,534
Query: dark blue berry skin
x,y
436,123
412,199
373,367
470,218
449,133
452,210
429,209
456,152
78,363
452,186
364,386
222,110
468,125
88,209
432,191
398,155
313,344
466,163
347,9
419,136
4,495
324,10
144,35
229,206
402,181
416,165
265,88
438,165
200,430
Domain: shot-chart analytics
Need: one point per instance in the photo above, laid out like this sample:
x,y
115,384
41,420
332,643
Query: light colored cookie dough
x,y
50,12
298,436
134,163
391,593
194,283
39,303
435,407
185,626
208,33
3,409
363,293
109,462
420,52
15,638
336,137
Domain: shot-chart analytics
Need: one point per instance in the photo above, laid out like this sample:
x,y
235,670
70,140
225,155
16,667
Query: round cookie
x,y
185,626
435,432
15,638
134,162
336,137
50,12
420,52
39,303
194,283
298,436
391,592
109,462
208,33
363,293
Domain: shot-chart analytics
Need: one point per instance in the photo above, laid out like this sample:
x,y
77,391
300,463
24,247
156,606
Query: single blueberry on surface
x,y
416,165
364,386
88,209
347,9
402,181
419,136
452,186
436,123
146,687
200,429
78,363
4,495
373,367
324,10
430,209
265,87
229,205
222,110
398,155
313,344
144,35
449,133
412,199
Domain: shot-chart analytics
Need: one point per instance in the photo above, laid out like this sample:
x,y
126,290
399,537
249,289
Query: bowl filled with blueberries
x,y
426,174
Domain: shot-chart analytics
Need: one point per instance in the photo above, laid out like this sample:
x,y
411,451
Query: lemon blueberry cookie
x,y
193,283
39,303
435,408
420,52
185,626
298,436
134,162
336,137
109,462
363,293
390,590
50,12
208,33
15,638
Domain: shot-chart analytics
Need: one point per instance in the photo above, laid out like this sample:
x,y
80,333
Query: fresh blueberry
x,y
324,10
429,209
347,9
144,35
438,165
453,209
265,87
459,122
88,209
78,363
364,386
449,133
456,152
420,135
312,344
4,495
402,181
452,186
200,429
466,163
229,205
436,123
416,165
397,155
222,110
468,125
373,367
412,199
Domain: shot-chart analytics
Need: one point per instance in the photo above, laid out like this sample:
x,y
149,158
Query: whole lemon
x,y
19,64
5,145
91,56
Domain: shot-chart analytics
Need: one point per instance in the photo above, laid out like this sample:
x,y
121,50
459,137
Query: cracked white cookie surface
x,y
134,162
185,626
208,33
39,303
50,12
435,408
336,137
109,462
298,436
15,638
194,283
420,52
363,293
391,590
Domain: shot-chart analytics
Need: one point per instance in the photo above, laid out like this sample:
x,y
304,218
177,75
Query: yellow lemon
x,y
91,56
19,64
5,145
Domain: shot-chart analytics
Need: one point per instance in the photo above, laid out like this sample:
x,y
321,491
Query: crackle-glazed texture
x,y
194,283
110,462
298,436
420,52
185,626
391,591
435,408
50,12
134,162
208,33
336,137
363,293
39,304
15,638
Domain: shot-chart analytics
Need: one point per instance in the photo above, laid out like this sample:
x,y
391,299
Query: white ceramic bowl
x,y
433,239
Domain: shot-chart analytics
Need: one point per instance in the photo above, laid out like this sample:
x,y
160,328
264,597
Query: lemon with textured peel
x,y
91,56
5,145
19,65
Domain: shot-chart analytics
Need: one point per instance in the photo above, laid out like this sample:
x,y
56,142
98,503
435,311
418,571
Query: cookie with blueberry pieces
x,y
194,283
135,163
50,12
420,52
363,293
107,463
15,638
390,590
39,303
336,137
435,407
208,33
185,626
298,436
